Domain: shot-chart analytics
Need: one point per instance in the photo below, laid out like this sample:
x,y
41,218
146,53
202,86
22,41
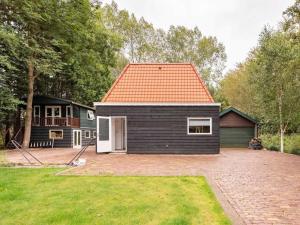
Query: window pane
x,y
49,112
199,126
68,111
36,111
103,129
199,122
199,129
56,111
56,134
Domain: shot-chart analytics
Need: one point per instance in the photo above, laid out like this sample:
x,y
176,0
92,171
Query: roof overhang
x,y
244,115
153,104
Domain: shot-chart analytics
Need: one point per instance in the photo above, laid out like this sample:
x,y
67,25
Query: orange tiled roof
x,y
158,83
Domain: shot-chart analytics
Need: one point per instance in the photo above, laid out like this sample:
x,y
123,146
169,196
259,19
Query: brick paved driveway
x,y
254,187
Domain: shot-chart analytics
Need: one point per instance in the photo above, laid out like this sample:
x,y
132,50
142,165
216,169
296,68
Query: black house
x,y
158,108
59,122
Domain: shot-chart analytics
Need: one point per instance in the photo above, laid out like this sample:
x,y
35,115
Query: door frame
x,y
109,133
125,130
77,146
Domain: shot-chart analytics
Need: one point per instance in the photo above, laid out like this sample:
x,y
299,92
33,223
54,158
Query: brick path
x,y
257,187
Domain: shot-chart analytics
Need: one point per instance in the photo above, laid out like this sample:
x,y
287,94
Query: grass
x,y
37,196
291,143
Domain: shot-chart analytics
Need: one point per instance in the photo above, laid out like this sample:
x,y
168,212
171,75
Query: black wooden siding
x,y
41,134
85,140
163,129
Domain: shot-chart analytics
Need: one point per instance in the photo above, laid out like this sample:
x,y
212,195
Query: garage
x,y
236,128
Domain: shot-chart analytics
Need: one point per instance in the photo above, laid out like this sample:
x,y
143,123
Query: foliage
x,y
291,143
267,84
42,198
70,49
144,43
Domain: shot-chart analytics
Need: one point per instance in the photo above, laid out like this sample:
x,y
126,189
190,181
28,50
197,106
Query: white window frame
x,y
94,133
89,132
199,118
56,138
87,114
52,106
71,111
37,122
68,122
34,107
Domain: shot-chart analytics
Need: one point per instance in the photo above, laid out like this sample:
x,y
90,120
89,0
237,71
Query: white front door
x,y
77,139
104,134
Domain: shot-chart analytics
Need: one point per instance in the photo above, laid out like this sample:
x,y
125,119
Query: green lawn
x,y
37,196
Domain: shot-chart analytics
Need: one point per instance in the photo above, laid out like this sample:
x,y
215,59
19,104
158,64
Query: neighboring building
x,y
236,128
61,123
158,108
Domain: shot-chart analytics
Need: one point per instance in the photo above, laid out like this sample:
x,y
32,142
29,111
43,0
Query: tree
x,y
142,43
189,45
31,25
59,42
276,79
237,89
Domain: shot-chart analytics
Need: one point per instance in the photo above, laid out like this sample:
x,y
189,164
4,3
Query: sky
x,y
235,23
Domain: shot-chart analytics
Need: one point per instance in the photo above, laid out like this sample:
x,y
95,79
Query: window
x,y
50,113
87,134
94,134
199,126
36,111
53,111
69,114
56,134
36,115
69,111
90,115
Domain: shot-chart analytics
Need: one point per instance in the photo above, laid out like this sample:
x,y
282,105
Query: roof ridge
x,y
160,64
115,83
202,83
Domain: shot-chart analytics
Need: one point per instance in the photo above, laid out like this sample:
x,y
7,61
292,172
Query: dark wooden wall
x,y
41,134
163,129
232,119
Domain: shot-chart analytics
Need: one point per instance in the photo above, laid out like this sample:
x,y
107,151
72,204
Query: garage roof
x,y
232,109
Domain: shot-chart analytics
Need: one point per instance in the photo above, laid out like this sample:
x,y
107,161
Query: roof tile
x,y
159,83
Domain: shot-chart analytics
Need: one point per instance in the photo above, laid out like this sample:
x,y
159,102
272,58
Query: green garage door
x,y
236,137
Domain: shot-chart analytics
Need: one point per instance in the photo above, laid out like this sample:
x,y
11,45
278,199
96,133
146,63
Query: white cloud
x,y
236,23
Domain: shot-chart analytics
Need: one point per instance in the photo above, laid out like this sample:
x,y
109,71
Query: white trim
x,y
188,125
87,114
153,104
51,130
94,134
71,111
125,129
80,136
53,106
87,131
34,111
106,144
37,106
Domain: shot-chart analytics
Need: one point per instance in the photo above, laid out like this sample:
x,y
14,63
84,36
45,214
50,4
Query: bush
x,y
291,143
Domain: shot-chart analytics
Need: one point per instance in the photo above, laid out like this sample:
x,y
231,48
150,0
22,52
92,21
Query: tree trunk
x,y
281,140
28,117
281,123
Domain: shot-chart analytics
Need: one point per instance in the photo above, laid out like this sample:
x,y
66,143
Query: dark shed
x,y
158,108
236,128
